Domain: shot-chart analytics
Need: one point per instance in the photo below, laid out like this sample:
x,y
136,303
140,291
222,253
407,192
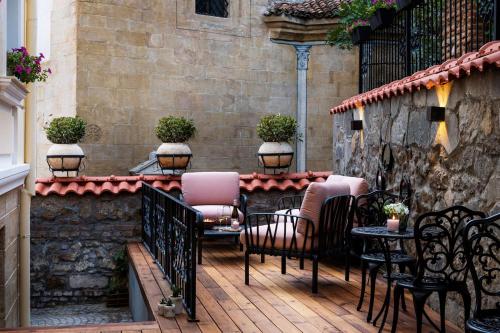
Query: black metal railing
x,y
170,232
425,35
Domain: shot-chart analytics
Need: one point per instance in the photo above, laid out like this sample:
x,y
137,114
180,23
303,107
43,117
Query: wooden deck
x,y
272,303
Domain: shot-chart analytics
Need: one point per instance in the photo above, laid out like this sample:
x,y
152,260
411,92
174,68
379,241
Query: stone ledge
x,y
12,91
299,30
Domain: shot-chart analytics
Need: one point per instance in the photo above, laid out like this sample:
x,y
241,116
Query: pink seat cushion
x,y
358,186
294,211
210,188
314,197
280,234
216,211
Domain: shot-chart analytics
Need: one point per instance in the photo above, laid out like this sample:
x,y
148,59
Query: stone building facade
x,y
123,65
456,162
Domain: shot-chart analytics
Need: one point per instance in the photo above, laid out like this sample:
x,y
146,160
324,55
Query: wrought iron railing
x,y
170,232
425,35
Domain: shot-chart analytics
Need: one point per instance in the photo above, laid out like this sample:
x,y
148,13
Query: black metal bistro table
x,y
383,236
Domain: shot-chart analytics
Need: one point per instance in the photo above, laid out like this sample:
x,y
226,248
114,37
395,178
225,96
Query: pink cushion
x,y
293,211
280,234
210,188
314,197
216,211
358,186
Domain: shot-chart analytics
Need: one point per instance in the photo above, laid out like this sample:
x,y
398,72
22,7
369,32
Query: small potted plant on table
x,y
174,153
166,308
65,155
397,214
176,298
383,13
277,131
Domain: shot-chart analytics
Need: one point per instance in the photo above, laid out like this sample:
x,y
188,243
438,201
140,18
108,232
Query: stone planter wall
x,y
74,239
456,163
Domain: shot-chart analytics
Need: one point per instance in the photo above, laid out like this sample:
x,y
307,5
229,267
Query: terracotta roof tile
x,y
131,184
488,55
309,9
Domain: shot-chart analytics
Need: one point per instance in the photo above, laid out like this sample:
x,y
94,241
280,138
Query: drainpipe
x,y
29,189
302,51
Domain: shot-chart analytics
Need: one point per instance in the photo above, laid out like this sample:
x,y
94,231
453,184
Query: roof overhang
x,y
294,29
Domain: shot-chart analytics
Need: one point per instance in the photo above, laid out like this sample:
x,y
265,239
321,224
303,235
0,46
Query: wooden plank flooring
x,y
272,303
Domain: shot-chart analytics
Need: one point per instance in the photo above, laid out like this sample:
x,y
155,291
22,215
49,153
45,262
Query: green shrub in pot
x,y
65,133
174,132
277,131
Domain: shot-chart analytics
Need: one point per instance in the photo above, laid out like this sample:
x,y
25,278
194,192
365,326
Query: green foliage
x,y
277,128
175,129
176,291
349,13
66,130
25,67
119,280
166,301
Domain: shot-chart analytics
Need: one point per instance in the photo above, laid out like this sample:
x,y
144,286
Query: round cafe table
x,y
383,236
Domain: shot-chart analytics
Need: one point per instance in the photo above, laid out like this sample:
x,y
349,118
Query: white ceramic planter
x,y
178,303
174,149
64,163
167,311
275,161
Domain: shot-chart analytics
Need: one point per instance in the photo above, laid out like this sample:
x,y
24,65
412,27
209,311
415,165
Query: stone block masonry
x,y
74,239
450,163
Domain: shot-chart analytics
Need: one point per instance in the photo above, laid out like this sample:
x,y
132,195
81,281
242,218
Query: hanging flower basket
x,y
360,34
407,4
382,18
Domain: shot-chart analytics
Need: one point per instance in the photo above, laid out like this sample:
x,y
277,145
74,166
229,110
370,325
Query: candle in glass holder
x,y
393,224
235,225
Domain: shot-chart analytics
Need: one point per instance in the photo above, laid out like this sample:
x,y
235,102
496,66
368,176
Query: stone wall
x,y
74,239
456,162
9,258
140,60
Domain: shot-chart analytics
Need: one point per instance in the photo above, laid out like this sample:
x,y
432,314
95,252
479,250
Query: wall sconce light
x,y
356,125
435,113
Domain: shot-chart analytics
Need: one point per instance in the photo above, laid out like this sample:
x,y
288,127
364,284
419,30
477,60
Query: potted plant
x,y
407,4
360,31
277,131
173,131
26,68
65,154
166,308
176,298
397,214
351,15
383,13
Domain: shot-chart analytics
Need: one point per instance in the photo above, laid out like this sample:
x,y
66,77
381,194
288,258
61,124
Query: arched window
x,y
217,8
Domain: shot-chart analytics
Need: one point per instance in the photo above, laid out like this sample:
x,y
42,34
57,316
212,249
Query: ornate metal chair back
x,y
440,247
370,208
482,248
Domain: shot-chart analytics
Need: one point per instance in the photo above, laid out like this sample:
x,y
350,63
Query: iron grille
x,y
217,8
426,35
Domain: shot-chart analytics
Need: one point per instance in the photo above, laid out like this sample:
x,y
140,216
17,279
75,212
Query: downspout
x,y
29,189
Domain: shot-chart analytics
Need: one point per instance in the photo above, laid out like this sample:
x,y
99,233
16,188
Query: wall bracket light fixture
x,y
356,125
435,113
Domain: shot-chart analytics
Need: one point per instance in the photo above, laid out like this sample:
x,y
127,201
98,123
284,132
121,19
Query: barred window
x,y
217,8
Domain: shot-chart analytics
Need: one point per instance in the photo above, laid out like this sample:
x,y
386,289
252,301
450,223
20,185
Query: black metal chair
x,y
370,212
263,235
441,263
482,247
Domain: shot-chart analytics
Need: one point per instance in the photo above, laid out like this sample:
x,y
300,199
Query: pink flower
x,y
48,70
27,70
42,56
19,69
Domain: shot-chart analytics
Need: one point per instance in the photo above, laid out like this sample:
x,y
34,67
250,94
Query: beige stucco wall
x,y
140,60
57,96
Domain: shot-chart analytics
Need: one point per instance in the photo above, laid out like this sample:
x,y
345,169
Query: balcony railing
x,y
170,231
426,35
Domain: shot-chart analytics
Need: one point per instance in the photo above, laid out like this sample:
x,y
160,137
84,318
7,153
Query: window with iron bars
x,y
217,8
